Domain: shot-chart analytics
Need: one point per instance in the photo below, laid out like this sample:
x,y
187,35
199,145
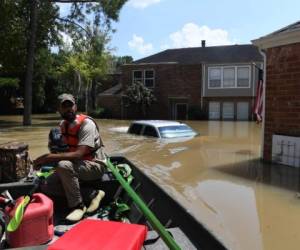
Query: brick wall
x,y
171,80
282,94
112,103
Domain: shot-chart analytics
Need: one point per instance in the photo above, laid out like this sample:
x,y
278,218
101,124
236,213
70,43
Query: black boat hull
x,y
167,210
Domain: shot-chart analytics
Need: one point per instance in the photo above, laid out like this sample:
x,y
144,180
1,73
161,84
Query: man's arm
x,y
69,156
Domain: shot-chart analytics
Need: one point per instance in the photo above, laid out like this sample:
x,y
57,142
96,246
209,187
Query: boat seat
x,y
105,235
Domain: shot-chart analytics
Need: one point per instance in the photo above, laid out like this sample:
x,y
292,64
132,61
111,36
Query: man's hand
x,y
68,156
40,161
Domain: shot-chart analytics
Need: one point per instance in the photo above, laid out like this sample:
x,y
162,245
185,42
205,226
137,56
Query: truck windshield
x,y
176,131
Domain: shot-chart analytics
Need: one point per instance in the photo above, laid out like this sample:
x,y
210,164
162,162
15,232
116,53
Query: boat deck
x,y
185,229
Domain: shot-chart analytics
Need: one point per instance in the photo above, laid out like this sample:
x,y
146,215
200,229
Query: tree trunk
x,y
30,63
143,111
87,96
93,94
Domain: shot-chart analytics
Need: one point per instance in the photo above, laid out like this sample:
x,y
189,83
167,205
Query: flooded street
x,y
217,176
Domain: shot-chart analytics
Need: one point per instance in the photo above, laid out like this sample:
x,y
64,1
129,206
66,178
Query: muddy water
x,y
217,176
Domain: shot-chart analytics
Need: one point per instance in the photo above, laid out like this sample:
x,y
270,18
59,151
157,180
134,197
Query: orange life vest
x,y
70,135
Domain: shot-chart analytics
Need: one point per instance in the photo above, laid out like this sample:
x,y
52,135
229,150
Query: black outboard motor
x,y
56,143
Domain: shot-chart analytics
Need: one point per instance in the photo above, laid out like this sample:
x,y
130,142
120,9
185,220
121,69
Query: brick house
x,y
281,139
215,82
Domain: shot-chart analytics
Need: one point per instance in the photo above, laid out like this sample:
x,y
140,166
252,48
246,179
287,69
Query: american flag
x,y
258,105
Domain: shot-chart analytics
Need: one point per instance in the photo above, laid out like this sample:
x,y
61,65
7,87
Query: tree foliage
x,y
14,16
85,67
8,82
89,27
14,26
139,95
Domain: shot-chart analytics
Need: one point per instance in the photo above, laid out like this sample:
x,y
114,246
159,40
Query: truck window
x,y
135,129
150,131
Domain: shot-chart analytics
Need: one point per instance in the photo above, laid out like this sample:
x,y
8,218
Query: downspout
x,y
203,84
263,53
254,80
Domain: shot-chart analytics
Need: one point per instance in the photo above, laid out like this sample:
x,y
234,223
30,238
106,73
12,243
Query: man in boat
x,y
81,161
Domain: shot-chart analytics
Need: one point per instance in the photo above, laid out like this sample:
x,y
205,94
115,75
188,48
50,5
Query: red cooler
x,y
91,234
37,223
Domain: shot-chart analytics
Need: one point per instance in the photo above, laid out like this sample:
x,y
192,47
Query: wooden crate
x,y
14,161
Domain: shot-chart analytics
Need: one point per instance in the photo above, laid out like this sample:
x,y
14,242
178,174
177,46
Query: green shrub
x,y
195,113
9,82
100,113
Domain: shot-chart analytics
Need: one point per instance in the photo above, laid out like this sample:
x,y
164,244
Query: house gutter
x,y
203,84
263,53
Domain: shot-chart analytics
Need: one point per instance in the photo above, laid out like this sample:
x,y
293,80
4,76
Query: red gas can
x,y
37,223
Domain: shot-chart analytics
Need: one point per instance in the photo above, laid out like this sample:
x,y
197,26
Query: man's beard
x,y
69,116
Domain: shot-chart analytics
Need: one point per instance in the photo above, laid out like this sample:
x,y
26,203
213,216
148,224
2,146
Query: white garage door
x,y
214,111
242,111
228,111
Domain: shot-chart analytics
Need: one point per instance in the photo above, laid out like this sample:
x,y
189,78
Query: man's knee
x,y
64,164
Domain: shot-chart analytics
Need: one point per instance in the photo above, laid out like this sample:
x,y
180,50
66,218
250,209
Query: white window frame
x,y
137,79
150,78
222,77
235,80
209,68
249,76
143,79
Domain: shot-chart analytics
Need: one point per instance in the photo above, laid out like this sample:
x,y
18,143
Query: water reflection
x,y
239,213
217,176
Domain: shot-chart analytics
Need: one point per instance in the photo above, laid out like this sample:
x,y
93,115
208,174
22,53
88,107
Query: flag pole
x,y
258,104
255,65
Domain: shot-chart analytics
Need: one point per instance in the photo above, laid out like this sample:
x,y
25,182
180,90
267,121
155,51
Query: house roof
x,y
112,91
286,35
213,54
290,28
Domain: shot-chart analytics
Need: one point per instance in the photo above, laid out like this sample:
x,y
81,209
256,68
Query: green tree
x,y
89,39
140,96
102,13
84,68
14,16
14,28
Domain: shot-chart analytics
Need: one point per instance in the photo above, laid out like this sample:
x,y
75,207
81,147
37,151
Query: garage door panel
x,y
214,111
242,111
228,111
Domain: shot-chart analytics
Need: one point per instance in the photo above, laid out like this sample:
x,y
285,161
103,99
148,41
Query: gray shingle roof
x,y
289,28
214,54
287,35
113,90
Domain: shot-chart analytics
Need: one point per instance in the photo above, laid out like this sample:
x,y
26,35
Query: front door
x,y
181,111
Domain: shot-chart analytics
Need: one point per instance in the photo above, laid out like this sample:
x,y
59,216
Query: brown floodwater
x,y
217,176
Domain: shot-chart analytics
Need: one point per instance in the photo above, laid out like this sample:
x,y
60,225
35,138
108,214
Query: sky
x,y
146,27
